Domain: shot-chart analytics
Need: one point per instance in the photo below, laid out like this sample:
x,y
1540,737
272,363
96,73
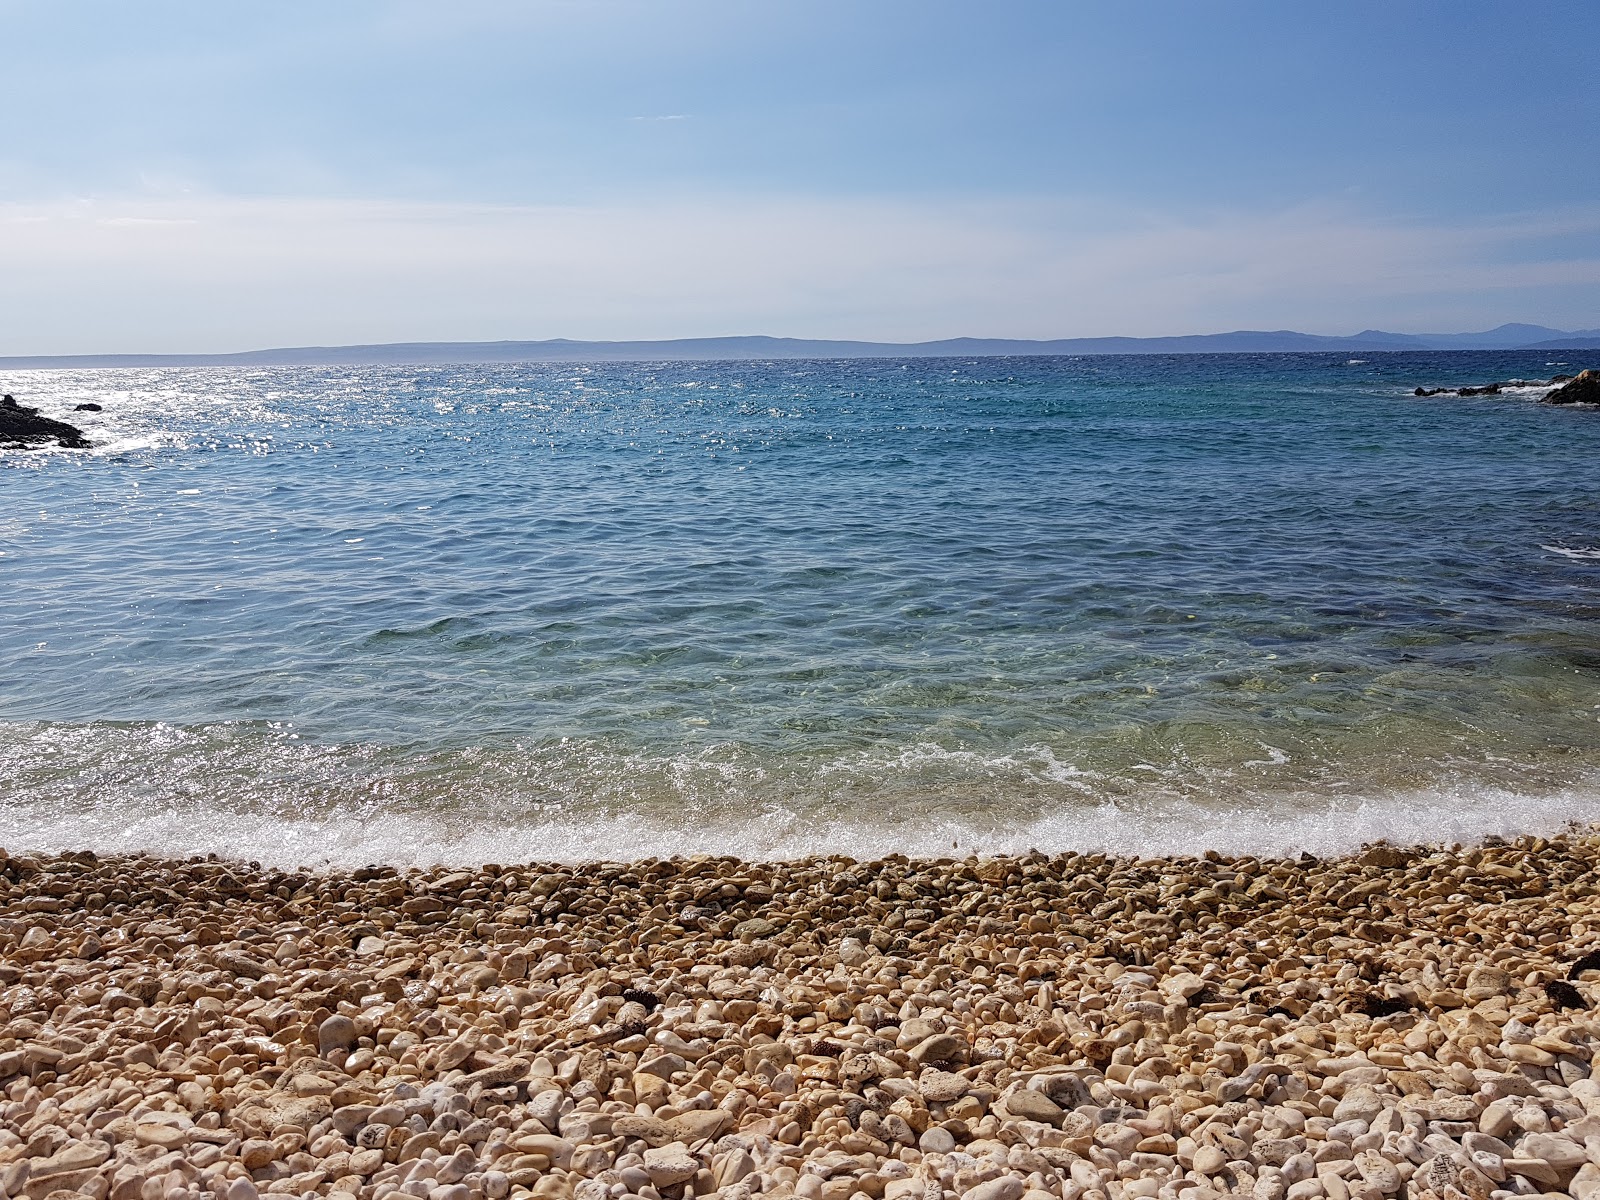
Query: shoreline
x,y
1088,1027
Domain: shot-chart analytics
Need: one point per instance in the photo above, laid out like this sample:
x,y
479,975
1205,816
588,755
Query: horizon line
x,y
1501,337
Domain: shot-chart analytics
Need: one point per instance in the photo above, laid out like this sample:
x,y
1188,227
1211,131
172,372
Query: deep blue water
x,y
1265,601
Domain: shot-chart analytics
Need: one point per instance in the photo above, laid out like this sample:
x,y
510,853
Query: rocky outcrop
x,y
1582,389
21,428
1490,389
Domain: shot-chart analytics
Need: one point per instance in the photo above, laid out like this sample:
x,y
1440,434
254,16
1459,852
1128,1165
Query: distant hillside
x,y
1582,340
1280,341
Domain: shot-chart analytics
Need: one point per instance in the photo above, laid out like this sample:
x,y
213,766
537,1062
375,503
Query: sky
x,y
193,177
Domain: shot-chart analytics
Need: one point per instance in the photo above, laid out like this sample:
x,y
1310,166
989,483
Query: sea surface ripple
x,y
1154,603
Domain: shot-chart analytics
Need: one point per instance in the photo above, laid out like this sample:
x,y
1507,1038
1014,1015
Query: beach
x,y
1396,1022
727,601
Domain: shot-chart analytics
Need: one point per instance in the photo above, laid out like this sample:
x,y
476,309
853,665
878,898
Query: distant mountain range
x,y
1280,341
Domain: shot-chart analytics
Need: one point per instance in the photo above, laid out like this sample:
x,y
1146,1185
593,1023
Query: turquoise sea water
x,y
486,613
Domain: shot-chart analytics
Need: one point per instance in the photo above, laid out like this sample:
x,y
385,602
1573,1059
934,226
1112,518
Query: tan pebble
x,y
1498,1119
165,1136
652,1131
939,1048
941,1087
1485,983
1562,1153
701,1124
75,1156
670,1164
257,1153
1377,1171
732,1166
1032,1106
1007,1187
1208,1160
1585,1184
558,1150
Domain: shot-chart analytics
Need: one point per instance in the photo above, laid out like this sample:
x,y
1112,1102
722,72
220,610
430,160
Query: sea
x,y
1261,604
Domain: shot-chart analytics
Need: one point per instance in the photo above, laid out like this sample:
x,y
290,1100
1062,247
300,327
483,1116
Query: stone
x,y
1007,1187
1485,983
335,1033
75,1156
154,1133
1585,1185
941,1087
1182,987
22,427
936,1140
670,1165
650,1130
700,1124
1378,1172
1584,388
170,1015
1563,1154
1209,1160
1032,1106
939,1048
1360,1103
1498,1118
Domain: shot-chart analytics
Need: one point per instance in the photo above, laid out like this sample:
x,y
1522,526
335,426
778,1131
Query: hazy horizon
x,y
197,180
1530,340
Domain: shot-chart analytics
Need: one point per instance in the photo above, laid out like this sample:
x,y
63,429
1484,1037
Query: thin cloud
x,y
228,273
145,222
664,117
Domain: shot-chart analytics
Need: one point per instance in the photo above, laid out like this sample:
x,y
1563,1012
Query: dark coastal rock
x,y
1494,389
1488,389
22,427
1584,388
89,406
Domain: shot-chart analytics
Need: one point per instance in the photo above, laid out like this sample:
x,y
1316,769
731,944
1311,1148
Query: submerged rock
x,y
1584,388
22,427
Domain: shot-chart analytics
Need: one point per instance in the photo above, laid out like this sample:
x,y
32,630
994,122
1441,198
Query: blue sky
x,y
188,176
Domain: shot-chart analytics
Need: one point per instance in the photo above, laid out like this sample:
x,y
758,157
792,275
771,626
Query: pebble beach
x,y
1400,1022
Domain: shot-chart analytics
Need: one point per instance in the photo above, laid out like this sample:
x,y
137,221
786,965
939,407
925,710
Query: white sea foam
x,y
341,813
1275,757
360,836
1581,553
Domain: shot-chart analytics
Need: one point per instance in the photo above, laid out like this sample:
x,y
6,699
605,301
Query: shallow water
x,y
486,613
